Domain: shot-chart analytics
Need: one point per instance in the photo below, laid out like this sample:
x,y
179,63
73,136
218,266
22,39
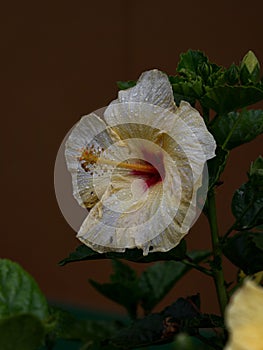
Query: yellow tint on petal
x,y
244,318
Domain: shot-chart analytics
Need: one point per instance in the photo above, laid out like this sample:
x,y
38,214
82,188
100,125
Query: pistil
x,y
90,157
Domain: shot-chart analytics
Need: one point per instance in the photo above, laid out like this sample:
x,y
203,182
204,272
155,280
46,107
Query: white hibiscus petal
x,y
152,87
134,206
89,131
196,124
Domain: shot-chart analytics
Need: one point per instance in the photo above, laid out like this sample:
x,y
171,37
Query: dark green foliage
x,y
158,279
21,332
19,293
224,99
232,75
159,328
245,250
187,91
69,327
236,128
191,62
85,253
216,166
123,85
247,203
130,291
123,288
23,309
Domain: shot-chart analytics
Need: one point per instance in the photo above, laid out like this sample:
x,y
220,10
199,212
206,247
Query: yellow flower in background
x,y
244,318
138,168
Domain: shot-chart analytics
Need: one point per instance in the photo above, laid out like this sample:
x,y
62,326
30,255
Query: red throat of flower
x,y
156,171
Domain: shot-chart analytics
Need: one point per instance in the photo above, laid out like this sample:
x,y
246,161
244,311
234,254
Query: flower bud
x,y
232,75
249,69
204,70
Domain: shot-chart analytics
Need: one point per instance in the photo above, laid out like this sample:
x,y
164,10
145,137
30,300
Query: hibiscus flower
x,y
139,168
244,318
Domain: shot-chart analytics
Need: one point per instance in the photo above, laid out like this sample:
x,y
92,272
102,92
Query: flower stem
x,y
217,253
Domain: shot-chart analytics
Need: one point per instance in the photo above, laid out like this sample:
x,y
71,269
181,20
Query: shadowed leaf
x,y
19,293
235,128
159,328
157,280
123,85
224,99
245,250
21,332
247,203
85,253
216,166
123,288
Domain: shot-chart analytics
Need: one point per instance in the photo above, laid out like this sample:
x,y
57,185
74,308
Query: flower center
x,y
151,174
150,177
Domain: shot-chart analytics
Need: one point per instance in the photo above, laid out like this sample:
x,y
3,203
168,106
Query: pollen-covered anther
x,y
89,156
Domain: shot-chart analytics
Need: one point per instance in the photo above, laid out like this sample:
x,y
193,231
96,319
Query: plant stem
x,y
217,253
197,267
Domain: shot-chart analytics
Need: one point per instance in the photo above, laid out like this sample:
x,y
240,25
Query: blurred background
x,y
61,60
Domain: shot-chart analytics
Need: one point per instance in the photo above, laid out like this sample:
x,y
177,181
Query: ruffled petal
x,y
152,87
182,131
130,214
90,132
244,318
196,124
123,215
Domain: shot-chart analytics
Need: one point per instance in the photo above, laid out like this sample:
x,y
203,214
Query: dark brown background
x,y
60,60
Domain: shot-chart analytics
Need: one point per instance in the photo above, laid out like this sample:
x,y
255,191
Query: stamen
x,y
92,156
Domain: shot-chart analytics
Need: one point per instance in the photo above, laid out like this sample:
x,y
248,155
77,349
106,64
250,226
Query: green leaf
x,y
123,85
234,129
147,331
247,202
216,166
194,65
224,99
69,327
22,332
157,280
245,250
85,253
123,272
190,61
128,290
179,97
124,288
256,173
19,293
159,328
184,341
191,88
